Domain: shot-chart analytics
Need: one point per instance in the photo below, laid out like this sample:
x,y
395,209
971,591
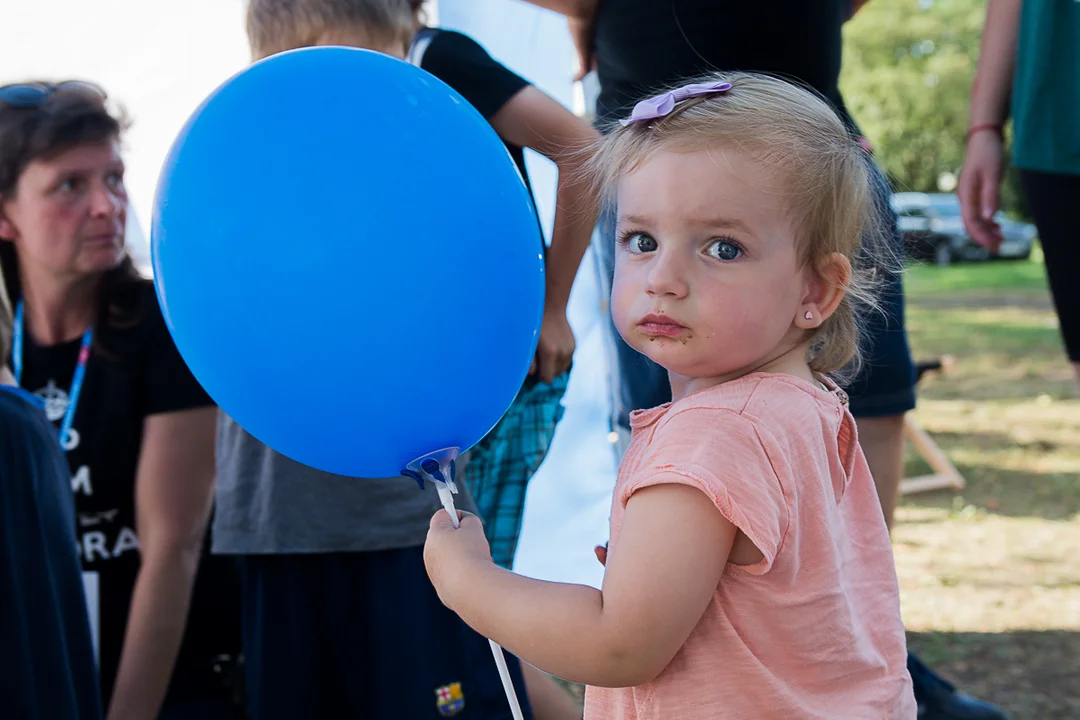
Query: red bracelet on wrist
x,y
994,127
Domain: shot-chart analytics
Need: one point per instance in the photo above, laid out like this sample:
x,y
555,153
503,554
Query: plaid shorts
x,y
500,466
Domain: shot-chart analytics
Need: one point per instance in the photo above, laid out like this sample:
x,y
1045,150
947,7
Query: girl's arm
x,y
174,490
534,120
984,161
660,577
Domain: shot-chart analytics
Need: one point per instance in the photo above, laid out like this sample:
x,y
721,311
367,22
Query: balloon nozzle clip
x,y
438,467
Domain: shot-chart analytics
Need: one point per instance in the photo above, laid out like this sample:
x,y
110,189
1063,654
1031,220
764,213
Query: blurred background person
x,y
1029,68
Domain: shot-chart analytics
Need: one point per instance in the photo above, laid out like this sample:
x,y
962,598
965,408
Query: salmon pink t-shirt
x,y
813,630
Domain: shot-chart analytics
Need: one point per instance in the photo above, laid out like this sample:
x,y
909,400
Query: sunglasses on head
x,y
35,94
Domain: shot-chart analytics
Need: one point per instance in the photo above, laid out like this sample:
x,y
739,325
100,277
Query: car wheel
x,y
975,253
943,254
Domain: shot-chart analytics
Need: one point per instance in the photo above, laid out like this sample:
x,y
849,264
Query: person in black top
x,y
637,47
794,38
46,658
137,429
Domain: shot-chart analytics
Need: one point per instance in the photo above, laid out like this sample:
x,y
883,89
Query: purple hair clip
x,y
660,105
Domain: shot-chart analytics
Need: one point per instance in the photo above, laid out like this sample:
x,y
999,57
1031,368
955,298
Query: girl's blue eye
x,y
725,250
640,243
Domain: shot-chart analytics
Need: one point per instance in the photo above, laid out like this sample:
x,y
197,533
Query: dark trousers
x,y
1053,199
362,635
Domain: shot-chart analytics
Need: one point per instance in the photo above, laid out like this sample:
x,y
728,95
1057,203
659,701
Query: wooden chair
x,y
944,475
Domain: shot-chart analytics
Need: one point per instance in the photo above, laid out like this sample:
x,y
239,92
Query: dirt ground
x,y
990,575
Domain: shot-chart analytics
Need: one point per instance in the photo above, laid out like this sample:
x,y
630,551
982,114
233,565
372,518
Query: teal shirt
x,y
1046,87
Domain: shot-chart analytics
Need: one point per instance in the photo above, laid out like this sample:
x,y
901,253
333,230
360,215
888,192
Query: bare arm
x,y
997,58
661,576
569,8
173,495
534,120
984,161
580,21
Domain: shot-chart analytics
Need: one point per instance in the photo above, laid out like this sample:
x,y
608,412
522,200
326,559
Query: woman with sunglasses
x,y
89,339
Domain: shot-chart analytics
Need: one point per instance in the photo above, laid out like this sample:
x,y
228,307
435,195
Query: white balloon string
x,y
447,498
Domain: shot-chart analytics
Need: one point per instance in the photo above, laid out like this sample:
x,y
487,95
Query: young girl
x,y
749,573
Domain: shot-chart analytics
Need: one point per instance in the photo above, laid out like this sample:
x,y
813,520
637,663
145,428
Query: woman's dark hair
x,y
67,116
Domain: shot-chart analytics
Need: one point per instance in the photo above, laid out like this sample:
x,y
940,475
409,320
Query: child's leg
x,y
884,389
880,395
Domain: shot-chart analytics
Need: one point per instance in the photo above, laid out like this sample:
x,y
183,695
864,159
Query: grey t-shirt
x,y
267,503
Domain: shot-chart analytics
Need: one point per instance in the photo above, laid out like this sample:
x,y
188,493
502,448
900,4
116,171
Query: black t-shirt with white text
x,y
645,45
134,371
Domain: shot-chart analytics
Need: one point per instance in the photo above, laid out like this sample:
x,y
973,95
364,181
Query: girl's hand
x,y
980,180
449,551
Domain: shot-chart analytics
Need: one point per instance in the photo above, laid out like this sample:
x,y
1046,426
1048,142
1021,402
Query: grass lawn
x,y
990,576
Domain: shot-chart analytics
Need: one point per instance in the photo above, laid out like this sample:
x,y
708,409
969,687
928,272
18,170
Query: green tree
x,y
908,68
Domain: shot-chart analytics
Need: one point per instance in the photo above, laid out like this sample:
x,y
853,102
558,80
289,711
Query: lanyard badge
x,y
76,380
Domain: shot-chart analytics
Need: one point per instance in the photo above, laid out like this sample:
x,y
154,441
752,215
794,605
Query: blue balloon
x,y
348,260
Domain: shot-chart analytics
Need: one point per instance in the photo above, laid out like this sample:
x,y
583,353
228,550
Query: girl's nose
x,y
667,275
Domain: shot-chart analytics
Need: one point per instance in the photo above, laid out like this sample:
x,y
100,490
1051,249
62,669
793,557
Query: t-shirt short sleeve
x,y
720,453
168,383
460,62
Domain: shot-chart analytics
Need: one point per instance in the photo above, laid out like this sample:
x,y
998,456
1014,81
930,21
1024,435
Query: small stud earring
x,y
809,315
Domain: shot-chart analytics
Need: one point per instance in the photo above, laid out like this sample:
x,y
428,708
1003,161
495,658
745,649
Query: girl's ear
x,y
826,286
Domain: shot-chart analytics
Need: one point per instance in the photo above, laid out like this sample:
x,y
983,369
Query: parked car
x,y
932,229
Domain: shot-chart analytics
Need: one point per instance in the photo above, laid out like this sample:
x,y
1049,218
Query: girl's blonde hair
x,y
820,168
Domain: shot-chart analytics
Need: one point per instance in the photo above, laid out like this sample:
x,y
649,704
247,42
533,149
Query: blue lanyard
x,y
76,381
